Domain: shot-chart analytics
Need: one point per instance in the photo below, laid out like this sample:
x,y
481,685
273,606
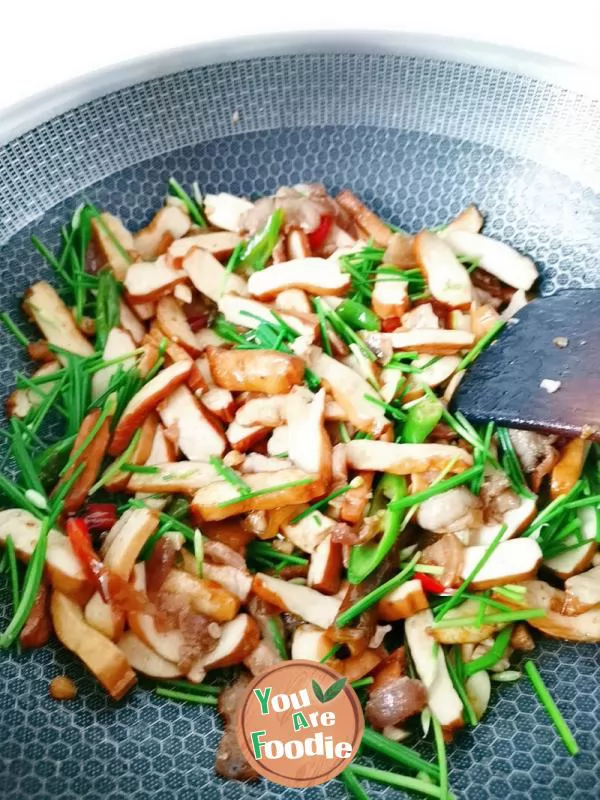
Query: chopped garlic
x,y
38,500
395,734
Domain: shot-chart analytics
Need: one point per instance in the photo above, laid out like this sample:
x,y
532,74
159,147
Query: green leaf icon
x,y
318,692
330,693
335,688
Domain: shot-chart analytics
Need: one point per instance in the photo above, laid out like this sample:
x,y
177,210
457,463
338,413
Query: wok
x,y
418,128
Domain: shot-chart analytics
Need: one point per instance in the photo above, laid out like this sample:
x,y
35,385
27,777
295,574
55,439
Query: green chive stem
x,y
493,655
399,752
51,259
399,781
551,707
274,625
319,504
11,327
441,754
229,475
591,500
23,459
260,492
322,325
13,571
117,464
193,688
264,549
419,497
203,700
35,568
481,345
142,469
330,653
198,552
456,597
462,693
373,597
193,208
362,682
353,785
344,435
491,619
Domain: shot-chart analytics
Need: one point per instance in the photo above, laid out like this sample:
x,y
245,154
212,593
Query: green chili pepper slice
x,y
421,420
358,316
364,558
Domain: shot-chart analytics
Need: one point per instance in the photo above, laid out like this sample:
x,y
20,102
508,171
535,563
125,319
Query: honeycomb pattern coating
x,y
519,115
142,746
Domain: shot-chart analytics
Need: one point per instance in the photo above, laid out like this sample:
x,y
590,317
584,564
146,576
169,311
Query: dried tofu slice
x,y
101,656
53,318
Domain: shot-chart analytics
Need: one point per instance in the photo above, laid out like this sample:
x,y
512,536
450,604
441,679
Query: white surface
x,y
47,43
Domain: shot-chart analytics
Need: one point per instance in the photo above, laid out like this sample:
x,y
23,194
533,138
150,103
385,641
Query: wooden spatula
x,y
554,338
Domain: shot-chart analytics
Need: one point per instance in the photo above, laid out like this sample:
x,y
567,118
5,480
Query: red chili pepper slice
x,y
430,584
81,542
100,517
112,588
390,324
316,239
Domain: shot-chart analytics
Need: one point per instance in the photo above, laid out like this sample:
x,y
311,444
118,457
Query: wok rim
x,y
28,114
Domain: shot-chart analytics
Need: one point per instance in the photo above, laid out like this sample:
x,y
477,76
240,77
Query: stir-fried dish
x,y
237,447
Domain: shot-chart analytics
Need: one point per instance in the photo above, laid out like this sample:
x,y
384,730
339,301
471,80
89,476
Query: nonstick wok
x,y
418,128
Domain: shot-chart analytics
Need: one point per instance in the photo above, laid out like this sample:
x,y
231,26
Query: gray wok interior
x,y
417,135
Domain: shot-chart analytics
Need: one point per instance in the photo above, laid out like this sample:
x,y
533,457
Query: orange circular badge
x,y
300,724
